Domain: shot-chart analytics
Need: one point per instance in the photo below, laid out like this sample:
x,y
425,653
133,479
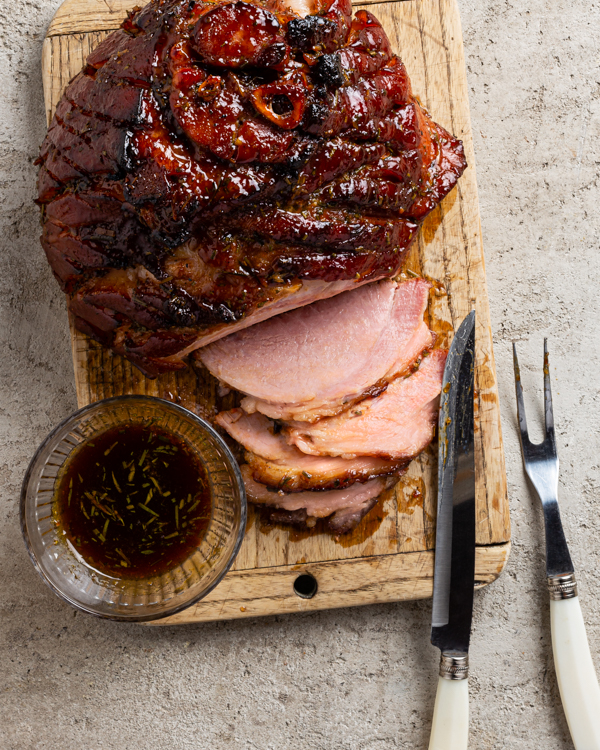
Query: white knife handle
x,y
575,671
450,727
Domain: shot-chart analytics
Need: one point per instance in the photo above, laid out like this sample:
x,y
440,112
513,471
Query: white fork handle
x,y
450,728
577,679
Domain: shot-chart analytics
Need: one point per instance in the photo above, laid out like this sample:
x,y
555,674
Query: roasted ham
x,y
314,361
217,163
361,372
301,472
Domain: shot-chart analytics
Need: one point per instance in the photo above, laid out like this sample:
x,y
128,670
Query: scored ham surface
x,y
319,358
215,164
277,464
398,424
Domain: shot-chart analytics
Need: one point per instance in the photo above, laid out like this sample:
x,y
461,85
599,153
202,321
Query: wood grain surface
x,y
389,557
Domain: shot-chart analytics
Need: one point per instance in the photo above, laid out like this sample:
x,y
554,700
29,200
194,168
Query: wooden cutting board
x,y
389,557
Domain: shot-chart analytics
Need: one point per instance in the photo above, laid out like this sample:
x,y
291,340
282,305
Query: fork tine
x,y
548,411
520,402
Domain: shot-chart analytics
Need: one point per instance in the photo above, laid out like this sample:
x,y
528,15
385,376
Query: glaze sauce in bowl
x,y
133,502
133,508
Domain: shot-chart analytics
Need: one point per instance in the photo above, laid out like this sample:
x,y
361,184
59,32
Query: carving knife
x,y
454,572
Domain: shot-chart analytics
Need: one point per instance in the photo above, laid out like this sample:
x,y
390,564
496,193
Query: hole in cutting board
x,y
305,586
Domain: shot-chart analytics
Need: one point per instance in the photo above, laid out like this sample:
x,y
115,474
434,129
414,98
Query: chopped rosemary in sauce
x,y
135,502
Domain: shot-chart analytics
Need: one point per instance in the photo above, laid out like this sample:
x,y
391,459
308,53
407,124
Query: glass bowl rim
x,y
203,425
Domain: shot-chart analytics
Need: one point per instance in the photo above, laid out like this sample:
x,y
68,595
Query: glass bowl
x,y
133,600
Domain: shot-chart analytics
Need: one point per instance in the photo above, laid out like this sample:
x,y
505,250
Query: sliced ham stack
x,y
339,396
314,361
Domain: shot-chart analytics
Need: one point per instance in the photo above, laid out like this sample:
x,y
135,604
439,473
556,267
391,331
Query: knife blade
x,y
454,570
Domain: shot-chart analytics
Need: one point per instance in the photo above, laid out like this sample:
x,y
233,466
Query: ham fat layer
x,y
319,358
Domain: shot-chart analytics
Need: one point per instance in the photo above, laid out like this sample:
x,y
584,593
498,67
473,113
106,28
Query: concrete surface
x,y
360,679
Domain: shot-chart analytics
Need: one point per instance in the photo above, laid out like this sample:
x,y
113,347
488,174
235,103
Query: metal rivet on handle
x,y
562,587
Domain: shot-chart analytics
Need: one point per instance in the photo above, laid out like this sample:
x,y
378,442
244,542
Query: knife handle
x,y
450,726
575,671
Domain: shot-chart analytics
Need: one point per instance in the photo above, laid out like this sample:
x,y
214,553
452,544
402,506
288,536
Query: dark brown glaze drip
x,y
210,156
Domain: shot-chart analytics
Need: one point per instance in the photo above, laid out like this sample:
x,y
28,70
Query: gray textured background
x,y
361,679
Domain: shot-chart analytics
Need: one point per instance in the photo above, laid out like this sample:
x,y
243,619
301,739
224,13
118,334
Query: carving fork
x,y
577,679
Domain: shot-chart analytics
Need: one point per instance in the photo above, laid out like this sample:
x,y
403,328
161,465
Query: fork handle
x,y
575,671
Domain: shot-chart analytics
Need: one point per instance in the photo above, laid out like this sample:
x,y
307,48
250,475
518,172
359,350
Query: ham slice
x,y
398,424
314,361
346,506
275,463
254,431
303,472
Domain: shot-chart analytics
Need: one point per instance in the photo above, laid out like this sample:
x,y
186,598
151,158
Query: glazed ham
x,y
298,471
398,424
217,163
318,359
272,461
